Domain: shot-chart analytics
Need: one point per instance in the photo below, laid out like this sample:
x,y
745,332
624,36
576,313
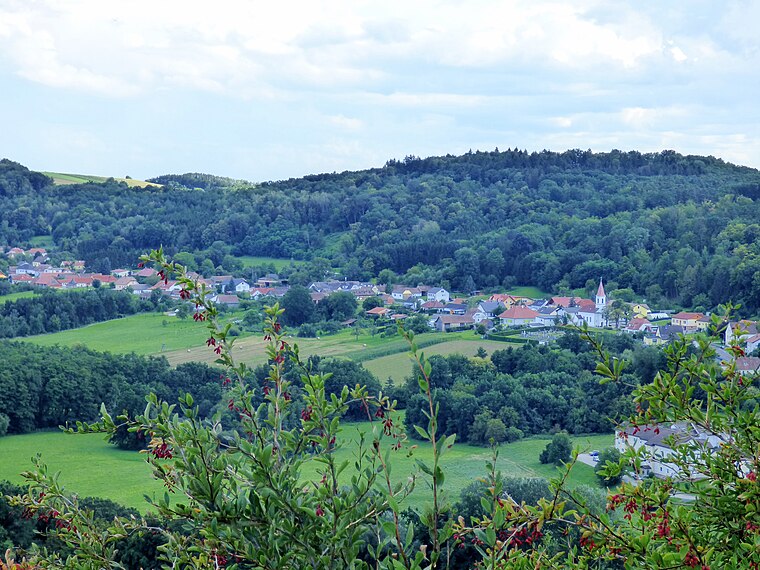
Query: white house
x,y
438,294
658,443
741,330
402,292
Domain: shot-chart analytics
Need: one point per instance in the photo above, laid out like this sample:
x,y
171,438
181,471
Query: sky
x,y
271,90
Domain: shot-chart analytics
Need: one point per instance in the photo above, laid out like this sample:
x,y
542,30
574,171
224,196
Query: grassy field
x,y
90,467
253,348
184,341
61,178
527,291
14,296
278,262
398,366
143,334
42,241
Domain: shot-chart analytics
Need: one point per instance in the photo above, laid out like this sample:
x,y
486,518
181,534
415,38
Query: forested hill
x,y
681,227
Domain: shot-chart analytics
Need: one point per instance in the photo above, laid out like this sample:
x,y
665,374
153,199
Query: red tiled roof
x,y
637,323
748,363
688,316
378,311
519,313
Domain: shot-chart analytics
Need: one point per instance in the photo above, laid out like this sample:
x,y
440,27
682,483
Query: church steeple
x,y
601,297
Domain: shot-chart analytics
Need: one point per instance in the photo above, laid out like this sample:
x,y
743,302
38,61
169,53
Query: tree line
x,y
45,387
52,311
672,228
530,390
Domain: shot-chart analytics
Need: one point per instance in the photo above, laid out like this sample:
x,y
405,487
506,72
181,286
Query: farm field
x,y
398,366
88,464
253,348
184,341
61,178
142,334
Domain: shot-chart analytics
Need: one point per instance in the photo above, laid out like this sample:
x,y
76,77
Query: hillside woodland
x,y
667,226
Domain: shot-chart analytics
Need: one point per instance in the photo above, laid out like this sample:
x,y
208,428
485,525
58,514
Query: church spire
x,y
601,297
600,292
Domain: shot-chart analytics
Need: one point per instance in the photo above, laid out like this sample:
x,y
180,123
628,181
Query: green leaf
x,y
409,536
420,430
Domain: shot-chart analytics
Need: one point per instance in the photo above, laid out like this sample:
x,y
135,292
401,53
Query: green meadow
x,y
89,466
528,291
398,366
144,334
278,262
185,341
15,296
363,347
42,241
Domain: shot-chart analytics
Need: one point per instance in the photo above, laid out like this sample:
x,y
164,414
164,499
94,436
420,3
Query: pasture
x,y
277,262
362,348
185,341
146,334
528,291
398,366
90,466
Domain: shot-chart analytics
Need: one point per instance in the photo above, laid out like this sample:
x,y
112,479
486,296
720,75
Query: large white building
x,y
658,443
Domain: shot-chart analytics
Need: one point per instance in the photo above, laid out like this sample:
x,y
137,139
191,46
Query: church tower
x,y
601,297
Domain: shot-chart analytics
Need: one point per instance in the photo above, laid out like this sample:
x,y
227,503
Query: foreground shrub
x,y
242,500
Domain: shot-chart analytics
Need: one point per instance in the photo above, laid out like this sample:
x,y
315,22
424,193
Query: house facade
x,y
691,322
658,442
517,316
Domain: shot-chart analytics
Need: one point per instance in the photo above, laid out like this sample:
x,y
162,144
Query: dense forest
x,y
45,387
52,311
531,390
670,227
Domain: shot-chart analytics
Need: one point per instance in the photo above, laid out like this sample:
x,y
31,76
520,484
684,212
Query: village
x,y
487,314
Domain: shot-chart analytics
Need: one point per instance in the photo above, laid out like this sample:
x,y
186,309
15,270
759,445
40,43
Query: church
x,y
596,317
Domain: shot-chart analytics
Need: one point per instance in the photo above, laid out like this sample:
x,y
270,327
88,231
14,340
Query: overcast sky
x,y
271,90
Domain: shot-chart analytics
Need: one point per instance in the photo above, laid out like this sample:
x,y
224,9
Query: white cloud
x,y
350,123
423,76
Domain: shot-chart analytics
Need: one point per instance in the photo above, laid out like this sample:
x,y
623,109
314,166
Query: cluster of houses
x,y
444,312
40,273
505,310
658,444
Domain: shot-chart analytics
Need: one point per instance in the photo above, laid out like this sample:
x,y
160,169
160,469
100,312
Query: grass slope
x,y
15,296
278,262
91,467
184,341
253,349
143,334
61,178
528,291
